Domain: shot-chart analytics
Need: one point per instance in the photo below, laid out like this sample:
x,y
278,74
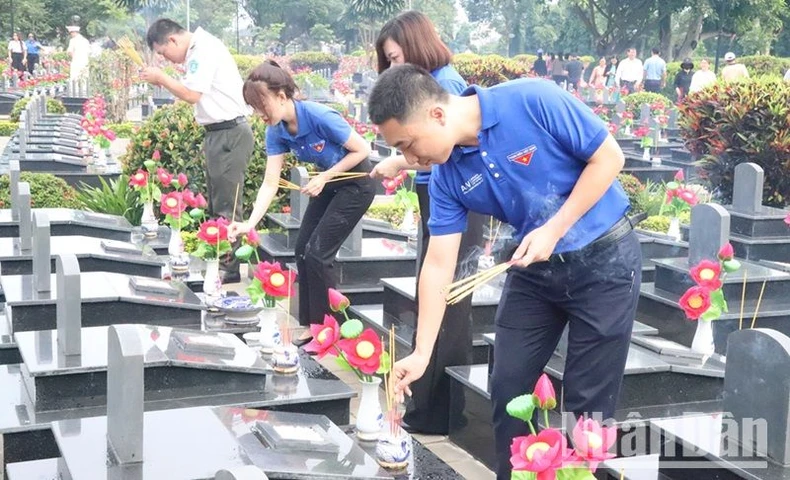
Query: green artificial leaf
x,y
244,253
202,251
731,265
174,183
574,473
522,407
343,363
523,475
157,194
386,363
196,213
149,164
717,300
710,314
672,185
351,328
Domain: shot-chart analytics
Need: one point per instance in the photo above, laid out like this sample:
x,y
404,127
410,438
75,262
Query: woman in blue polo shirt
x,y
315,134
411,38
33,49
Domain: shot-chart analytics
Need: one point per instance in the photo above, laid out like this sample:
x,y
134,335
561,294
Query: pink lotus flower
x,y
726,252
787,219
139,179
164,176
156,156
189,198
592,441
390,185
172,204
544,392
542,453
337,301
182,180
695,302
363,352
706,274
253,238
688,196
679,176
324,336
200,201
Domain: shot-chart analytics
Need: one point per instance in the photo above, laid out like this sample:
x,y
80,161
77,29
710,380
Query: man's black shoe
x,y
229,277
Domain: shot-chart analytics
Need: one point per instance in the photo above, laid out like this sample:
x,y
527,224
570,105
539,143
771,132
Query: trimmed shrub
x,y
745,121
8,128
173,131
53,106
655,223
124,129
633,102
46,191
487,70
526,60
765,65
247,63
314,61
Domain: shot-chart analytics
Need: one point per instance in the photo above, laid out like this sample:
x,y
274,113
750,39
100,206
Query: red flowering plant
x,y
545,455
679,198
646,139
356,348
175,204
404,196
705,300
271,283
603,113
212,239
94,123
145,181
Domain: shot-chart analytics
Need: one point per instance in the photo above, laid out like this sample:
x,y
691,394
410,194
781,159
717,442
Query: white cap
x,y
73,28
729,56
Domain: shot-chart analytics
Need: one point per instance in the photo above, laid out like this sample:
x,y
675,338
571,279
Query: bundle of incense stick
x,y
337,176
127,47
759,300
394,413
461,289
283,183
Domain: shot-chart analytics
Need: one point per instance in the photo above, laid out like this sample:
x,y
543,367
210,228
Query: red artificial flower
x,y
182,180
156,156
670,195
787,219
592,441
172,204
324,336
189,198
213,231
706,274
688,196
164,176
726,252
542,454
286,209
200,201
363,352
337,301
679,175
253,238
390,185
139,179
275,281
695,302
544,392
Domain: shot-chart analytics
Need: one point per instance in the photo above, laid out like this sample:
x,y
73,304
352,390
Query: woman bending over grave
x,y
411,38
315,134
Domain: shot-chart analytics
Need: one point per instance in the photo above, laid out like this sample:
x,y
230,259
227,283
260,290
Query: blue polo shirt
x,y
320,139
535,140
451,81
32,46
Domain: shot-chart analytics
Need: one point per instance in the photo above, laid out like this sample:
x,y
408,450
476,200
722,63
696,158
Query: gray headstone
x,y
70,89
363,116
656,135
605,95
24,126
42,266
747,188
125,393
757,389
353,243
69,304
298,202
620,106
249,472
25,218
644,113
616,120
710,230
13,180
672,122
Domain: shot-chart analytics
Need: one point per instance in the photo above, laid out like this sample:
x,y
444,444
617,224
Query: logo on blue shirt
x,y
473,182
318,146
523,156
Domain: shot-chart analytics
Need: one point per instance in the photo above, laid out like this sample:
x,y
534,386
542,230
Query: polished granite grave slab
x,y
707,446
313,389
93,254
178,363
107,298
65,221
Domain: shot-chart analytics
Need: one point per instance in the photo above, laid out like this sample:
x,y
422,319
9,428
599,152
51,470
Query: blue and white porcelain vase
x,y
370,418
270,334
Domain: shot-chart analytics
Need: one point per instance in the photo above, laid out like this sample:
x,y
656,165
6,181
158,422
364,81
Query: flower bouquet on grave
x,y
145,183
357,349
249,248
545,455
270,284
679,199
404,197
212,243
627,121
705,302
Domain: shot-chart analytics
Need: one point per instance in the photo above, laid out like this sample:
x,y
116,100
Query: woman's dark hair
x,y
268,75
613,57
416,35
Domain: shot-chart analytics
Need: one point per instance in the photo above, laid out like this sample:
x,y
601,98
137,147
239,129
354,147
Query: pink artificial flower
x,y
726,252
544,392
156,156
253,238
164,176
324,336
200,201
688,196
592,441
337,301
182,180
542,454
679,175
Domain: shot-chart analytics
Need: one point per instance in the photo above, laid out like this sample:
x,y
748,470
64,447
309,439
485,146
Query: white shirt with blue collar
x,y
534,143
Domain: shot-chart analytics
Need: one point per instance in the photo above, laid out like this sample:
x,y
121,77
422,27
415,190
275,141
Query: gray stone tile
x,y
448,452
472,469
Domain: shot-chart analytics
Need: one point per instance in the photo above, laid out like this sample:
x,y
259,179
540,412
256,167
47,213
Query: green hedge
x,y
633,102
123,130
7,128
765,65
487,70
53,106
46,191
314,61
247,63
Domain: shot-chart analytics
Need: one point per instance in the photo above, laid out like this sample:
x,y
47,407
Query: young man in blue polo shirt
x,y
533,156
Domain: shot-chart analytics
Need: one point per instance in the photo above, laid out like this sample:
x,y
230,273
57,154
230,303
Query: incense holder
x,y
285,359
394,449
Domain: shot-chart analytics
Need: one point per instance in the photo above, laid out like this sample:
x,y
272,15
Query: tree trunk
x,y
665,39
692,38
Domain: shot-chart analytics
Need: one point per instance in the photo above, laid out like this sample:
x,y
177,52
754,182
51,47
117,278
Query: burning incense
x,y
461,289
127,47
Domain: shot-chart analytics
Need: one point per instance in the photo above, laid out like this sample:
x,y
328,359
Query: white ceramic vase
x,y
370,418
148,221
674,228
212,284
270,334
703,338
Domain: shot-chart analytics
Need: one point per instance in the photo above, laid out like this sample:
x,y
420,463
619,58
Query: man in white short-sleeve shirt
x,y
213,85
629,72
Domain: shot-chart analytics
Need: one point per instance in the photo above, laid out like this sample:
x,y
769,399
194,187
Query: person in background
x,y
33,51
575,69
733,71
702,77
79,50
315,134
598,76
213,85
17,53
539,65
655,72
558,72
411,38
683,79
630,72
611,72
